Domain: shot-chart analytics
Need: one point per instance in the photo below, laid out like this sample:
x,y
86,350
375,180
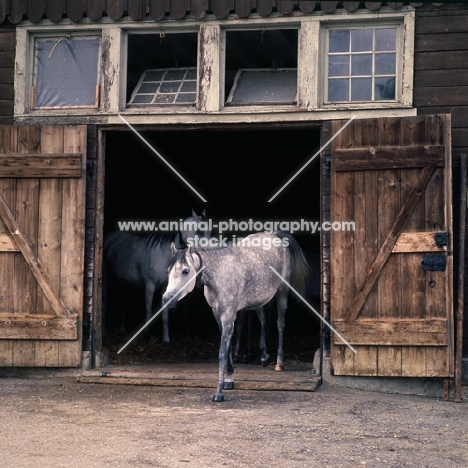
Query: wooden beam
x,y
34,165
31,259
411,242
7,244
388,157
393,332
390,242
38,327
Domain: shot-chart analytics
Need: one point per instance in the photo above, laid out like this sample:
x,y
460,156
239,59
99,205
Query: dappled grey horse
x,y
141,260
242,348
237,277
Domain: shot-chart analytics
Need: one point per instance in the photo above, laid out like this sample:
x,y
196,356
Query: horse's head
x,y
182,270
195,225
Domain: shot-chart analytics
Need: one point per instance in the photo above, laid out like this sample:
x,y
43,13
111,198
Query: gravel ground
x,y
57,422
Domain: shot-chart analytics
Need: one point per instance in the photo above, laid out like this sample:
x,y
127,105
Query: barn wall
x,y
7,64
441,85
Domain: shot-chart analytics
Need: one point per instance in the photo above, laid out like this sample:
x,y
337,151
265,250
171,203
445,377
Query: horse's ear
x,y
193,213
204,214
173,248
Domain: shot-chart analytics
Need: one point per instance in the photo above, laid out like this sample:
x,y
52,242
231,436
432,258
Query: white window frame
x,y
210,107
404,61
25,67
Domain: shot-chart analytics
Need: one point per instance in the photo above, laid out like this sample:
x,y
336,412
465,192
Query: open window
x,y
66,72
162,69
261,67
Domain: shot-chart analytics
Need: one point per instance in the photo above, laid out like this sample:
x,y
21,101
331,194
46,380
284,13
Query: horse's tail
x,y
300,270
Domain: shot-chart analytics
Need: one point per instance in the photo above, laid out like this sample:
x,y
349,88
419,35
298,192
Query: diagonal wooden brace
x,y
390,241
33,262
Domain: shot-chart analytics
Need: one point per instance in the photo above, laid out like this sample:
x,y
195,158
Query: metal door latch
x,y
434,262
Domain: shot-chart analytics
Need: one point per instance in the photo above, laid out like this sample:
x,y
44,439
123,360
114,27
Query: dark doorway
x,y
237,172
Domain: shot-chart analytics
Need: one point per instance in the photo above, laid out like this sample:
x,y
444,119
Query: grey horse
x,y
236,277
141,260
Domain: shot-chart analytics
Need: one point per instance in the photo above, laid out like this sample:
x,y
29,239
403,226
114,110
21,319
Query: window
x,y
66,72
362,64
161,69
166,86
264,86
305,65
261,67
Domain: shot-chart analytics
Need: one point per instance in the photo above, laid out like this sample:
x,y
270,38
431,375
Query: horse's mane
x,y
179,255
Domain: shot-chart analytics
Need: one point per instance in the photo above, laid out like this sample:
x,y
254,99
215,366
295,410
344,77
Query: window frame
x,y
25,71
404,61
142,29
33,74
210,102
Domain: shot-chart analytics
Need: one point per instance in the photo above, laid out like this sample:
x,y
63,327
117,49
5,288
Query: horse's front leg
x,y
226,320
149,293
262,345
165,320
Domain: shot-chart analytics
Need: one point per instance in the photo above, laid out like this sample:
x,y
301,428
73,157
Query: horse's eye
x,y
185,271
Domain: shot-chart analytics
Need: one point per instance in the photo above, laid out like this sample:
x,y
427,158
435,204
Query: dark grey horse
x,y
238,277
141,260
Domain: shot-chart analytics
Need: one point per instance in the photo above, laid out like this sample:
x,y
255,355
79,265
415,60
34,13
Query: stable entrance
x,y
237,171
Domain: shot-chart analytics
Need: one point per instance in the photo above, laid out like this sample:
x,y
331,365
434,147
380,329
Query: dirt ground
x,y
58,422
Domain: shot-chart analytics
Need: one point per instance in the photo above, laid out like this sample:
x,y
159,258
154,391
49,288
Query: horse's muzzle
x,y
166,298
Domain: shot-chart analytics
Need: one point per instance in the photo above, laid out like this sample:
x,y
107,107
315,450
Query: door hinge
x,y
434,262
440,239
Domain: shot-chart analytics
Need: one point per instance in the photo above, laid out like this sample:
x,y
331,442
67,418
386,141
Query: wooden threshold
x,y
205,375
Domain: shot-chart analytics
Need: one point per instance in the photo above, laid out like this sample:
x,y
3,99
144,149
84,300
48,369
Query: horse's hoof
x,y
279,368
218,397
266,362
228,384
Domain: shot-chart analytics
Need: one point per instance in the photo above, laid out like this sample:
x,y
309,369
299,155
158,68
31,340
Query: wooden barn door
x,y
391,278
42,211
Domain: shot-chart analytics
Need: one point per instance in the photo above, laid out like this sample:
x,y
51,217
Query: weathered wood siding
x,y
7,64
441,81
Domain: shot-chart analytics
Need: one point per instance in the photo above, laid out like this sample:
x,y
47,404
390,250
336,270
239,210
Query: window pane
x,y
338,65
361,40
189,86
264,86
170,86
361,89
338,90
385,39
174,75
66,72
362,64
165,98
155,75
191,74
143,99
385,64
338,40
384,88
148,88
186,98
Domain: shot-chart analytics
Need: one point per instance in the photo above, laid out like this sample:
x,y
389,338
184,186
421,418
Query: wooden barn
x,y
238,95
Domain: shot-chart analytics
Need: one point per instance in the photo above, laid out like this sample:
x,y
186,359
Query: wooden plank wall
x,y
7,64
441,84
